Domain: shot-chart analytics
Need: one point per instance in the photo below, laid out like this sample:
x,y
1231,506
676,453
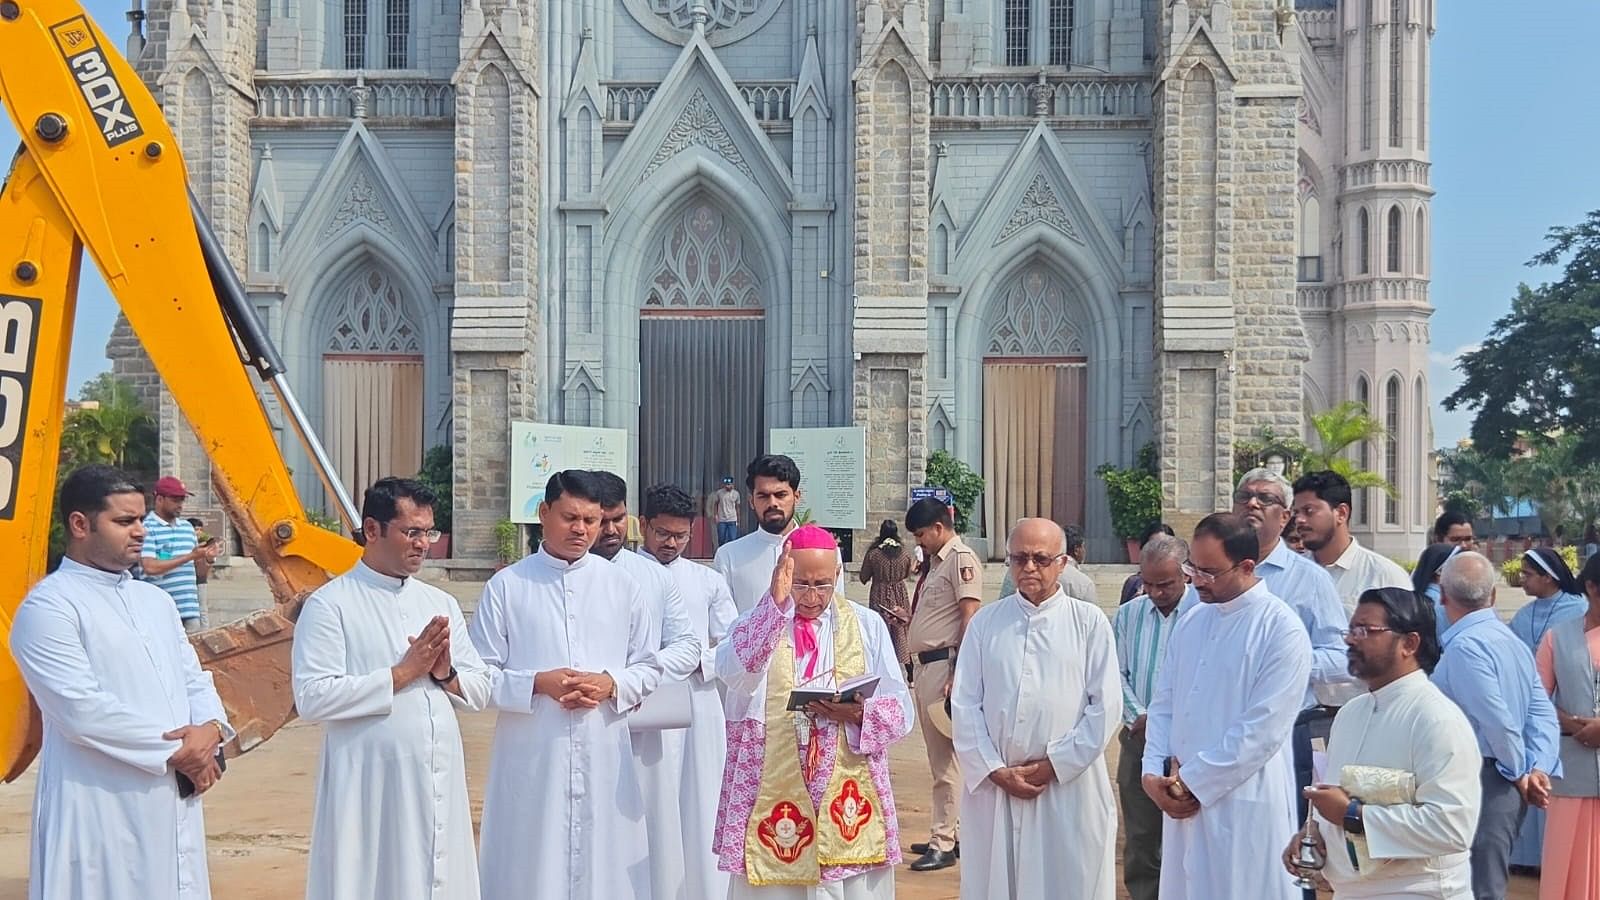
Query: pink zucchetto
x,y
812,537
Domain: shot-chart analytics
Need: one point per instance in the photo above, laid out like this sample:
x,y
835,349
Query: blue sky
x,y
1513,148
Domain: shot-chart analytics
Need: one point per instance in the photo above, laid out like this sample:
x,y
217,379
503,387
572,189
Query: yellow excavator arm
x,y
100,169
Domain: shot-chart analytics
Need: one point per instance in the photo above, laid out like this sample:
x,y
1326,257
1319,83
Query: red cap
x,y
169,486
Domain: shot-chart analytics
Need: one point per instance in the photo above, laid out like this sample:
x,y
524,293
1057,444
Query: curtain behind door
x,y
372,418
1033,445
701,409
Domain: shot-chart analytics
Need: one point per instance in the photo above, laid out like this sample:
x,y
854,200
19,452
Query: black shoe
x,y
920,849
934,860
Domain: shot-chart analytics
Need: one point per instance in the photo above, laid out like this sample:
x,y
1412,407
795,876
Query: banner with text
x,y
833,472
539,450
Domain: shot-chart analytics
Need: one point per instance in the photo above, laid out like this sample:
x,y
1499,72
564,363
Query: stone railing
x,y
769,101
1386,172
342,97
1320,25
1005,96
1314,299
1395,289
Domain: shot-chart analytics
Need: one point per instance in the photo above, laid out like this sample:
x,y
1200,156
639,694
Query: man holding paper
x,y
1398,819
776,840
657,727
1037,697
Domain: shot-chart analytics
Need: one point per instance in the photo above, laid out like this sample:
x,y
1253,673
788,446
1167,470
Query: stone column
x,y
891,274
1229,340
495,330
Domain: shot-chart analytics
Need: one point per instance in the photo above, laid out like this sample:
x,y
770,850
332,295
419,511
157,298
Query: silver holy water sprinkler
x,y
1309,860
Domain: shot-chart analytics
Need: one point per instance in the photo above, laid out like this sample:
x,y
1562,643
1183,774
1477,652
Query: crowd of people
x,y
1293,709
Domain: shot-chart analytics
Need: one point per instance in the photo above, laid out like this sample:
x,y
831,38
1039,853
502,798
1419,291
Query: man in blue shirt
x,y
171,549
1490,674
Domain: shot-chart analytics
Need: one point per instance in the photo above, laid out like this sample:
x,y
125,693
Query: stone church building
x,y
1039,234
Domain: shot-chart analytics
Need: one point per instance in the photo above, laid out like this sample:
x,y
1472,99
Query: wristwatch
x,y
449,677
1352,818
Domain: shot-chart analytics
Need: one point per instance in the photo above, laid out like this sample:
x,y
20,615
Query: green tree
x,y
437,466
1538,371
1565,490
1338,429
117,430
1483,479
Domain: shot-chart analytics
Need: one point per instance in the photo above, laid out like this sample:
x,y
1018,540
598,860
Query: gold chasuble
x,y
788,840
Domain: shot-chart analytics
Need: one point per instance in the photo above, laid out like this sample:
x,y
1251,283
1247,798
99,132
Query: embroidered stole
x,y
787,840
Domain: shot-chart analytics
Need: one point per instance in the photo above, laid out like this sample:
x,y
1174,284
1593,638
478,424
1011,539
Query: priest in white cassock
x,y
1397,818
657,737
566,637
382,659
1037,699
1217,759
806,810
667,522
747,563
129,715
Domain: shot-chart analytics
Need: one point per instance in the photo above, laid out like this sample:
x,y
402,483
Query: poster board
x,y
833,472
539,450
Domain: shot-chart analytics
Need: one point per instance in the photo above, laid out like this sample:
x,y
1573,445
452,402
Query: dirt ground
x,y
258,820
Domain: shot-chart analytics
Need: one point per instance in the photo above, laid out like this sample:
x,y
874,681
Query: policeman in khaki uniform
x,y
949,591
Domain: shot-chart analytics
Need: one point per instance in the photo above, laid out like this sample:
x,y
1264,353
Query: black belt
x,y
933,656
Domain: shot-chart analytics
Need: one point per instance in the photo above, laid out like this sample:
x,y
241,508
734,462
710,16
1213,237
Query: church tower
x,y
1230,346
1383,200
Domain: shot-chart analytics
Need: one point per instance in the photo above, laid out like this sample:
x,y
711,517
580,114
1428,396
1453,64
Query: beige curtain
x,y
372,418
1033,445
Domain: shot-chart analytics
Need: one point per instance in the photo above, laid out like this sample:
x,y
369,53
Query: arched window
x,y
1028,45
263,260
1391,448
1419,247
1363,244
1397,16
1310,239
1424,441
397,34
1393,234
940,250
355,34
1364,452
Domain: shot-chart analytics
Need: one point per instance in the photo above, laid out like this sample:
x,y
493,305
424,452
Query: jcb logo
x,y
19,332
100,88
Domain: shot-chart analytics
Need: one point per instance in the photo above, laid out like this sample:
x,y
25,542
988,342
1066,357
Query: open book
x,y
852,691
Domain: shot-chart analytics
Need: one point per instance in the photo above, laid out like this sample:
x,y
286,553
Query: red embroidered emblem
x,y
786,832
850,811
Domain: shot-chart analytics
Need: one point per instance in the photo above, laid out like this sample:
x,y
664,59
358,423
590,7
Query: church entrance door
x,y
372,385
702,351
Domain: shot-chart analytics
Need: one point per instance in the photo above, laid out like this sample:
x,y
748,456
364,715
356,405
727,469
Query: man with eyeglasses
x,y
657,748
948,593
1216,758
1035,705
1375,843
382,660
1263,500
668,517
807,810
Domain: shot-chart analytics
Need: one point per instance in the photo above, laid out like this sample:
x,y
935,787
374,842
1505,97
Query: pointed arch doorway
x,y
1035,407
373,386
702,346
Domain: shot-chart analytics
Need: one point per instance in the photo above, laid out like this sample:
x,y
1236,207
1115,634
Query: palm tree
x,y
1337,430
117,430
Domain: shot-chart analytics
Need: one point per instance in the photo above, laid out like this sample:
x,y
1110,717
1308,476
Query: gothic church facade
x,y
1039,234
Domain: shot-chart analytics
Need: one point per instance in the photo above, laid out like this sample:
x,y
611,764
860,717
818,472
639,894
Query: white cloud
x,y
1448,360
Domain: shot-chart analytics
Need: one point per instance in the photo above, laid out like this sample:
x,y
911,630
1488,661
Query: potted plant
x,y
1135,497
1511,571
506,545
437,474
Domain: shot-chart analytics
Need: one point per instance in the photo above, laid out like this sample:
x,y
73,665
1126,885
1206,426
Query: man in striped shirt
x,y
171,549
1142,626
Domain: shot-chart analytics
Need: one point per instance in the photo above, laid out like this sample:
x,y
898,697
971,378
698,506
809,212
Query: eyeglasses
x,y
669,537
1265,498
1362,632
821,589
431,535
1040,560
1201,576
